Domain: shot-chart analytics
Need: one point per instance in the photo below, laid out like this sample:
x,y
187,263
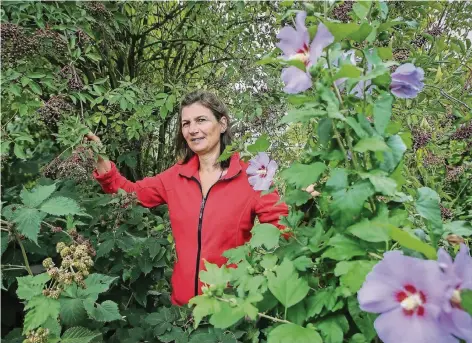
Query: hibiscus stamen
x,y
262,172
456,299
411,300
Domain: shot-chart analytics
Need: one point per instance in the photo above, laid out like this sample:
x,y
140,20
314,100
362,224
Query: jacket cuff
x,y
106,177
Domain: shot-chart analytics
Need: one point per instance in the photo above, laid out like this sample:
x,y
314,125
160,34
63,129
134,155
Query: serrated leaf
x,y
60,206
214,275
337,180
382,112
19,152
226,316
348,70
302,263
287,286
95,284
393,157
107,311
31,286
78,335
333,328
28,222
381,182
343,248
261,144
353,273
145,263
297,197
293,333
302,175
371,144
176,334
37,195
39,310
72,311
370,231
4,238
204,306
408,241
161,320
302,115
348,203
266,235
105,247
427,206
363,320
341,30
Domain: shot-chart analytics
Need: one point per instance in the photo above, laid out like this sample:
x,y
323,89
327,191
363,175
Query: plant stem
x,y
23,252
450,97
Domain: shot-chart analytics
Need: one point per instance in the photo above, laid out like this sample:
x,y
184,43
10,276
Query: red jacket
x,y
203,228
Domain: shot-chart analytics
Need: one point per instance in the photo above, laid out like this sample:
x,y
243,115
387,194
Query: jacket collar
x,y
190,169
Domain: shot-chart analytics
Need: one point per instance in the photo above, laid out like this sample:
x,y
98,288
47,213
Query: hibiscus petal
x,y
458,323
252,169
292,40
295,80
271,169
403,91
253,180
263,184
322,39
263,159
377,296
394,327
463,267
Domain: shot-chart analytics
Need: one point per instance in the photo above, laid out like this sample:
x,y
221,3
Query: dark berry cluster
x,y
419,41
401,54
435,31
341,12
454,173
82,38
51,42
78,166
446,213
15,43
463,133
53,109
431,160
98,9
420,138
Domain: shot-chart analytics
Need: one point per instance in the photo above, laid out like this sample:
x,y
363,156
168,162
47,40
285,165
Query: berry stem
x,y
23,252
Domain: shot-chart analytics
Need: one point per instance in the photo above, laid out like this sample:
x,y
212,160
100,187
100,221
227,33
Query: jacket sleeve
x,y
268,210
150,191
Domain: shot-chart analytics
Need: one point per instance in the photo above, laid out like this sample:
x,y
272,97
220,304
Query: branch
x,y
450,97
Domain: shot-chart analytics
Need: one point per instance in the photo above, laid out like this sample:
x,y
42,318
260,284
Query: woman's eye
x,y
201,120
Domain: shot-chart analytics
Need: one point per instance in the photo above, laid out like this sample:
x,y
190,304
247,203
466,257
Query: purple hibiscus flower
x,y
454,319
407,81
261,172
295,44
409,294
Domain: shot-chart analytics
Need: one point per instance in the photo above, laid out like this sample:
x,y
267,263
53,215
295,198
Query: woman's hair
x,y
219,110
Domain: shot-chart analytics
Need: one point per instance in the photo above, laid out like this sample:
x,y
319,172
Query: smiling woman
x,y
203,226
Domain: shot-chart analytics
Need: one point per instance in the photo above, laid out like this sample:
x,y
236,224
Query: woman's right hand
x,y
102,166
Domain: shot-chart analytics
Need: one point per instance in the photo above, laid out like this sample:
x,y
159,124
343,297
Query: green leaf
x,y
392,157
78,335
337,180
261,144
466,300
297,197
39,310
302,115
371,144
325,130
458,227
358,338
381,182
341,30
353,273
361,9
333,328
145,262
37,195
382,112
72,311
19,152
204,306
360,132
107,311
95,284
360,35
31,286
293,333
266,235
343,248
408,241
385,53
348,203
94,57
302,175
214,275
4,241
325,297
105,247
29,222
363,320
35,75
348,70
370,231
226,316
161,320
60,206
35,88
287,286
302,263
427,206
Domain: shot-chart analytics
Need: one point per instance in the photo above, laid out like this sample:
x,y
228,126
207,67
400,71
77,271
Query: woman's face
x,y
201,129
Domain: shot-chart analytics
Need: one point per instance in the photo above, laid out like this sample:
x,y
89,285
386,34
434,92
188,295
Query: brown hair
x,y
219,110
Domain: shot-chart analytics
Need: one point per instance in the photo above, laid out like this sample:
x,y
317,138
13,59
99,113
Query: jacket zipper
x,y
200,220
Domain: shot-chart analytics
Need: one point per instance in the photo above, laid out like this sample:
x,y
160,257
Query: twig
x,y
448,96
23,252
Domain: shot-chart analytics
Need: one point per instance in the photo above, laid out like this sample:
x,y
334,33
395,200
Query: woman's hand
x,y
311,189
102,165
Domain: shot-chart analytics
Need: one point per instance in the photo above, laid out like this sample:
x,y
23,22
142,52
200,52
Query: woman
x,y
212,206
